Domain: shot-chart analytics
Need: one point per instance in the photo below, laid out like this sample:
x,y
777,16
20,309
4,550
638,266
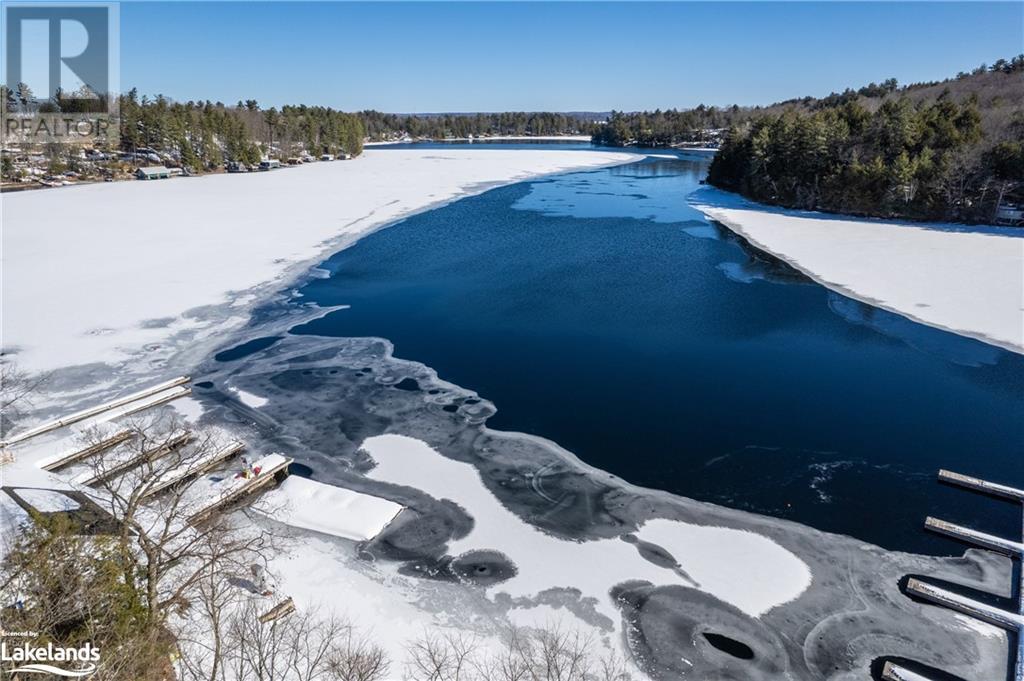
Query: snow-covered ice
x,y
744,569
100,272
966,281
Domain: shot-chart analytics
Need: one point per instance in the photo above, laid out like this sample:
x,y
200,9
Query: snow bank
x,y
742,568
747,570
124,266
967,282
312,505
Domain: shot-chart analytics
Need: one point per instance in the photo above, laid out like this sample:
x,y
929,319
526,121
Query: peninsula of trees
x,y
953,151
950,150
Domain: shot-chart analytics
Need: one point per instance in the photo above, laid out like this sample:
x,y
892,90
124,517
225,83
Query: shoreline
x,y
776,231
550,489
593,506
496,138
141,347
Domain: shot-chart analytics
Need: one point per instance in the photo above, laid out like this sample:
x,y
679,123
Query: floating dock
x,y
102,409
282,609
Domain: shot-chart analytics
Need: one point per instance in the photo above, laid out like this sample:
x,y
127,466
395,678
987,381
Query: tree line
x,y
206,134
943,157
384,126
666,128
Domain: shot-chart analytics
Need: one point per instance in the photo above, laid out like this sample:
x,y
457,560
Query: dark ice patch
x,y
409,384
483,568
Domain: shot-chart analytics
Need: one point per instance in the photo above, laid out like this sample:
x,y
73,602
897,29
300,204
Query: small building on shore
x,y
1010,214
152,173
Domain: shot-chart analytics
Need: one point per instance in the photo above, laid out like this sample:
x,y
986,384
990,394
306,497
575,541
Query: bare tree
x,y
551,653
120,583
357,658
166,554
304,646
16,388
444,656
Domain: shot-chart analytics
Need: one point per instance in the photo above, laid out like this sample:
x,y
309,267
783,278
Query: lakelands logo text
x,y
70,662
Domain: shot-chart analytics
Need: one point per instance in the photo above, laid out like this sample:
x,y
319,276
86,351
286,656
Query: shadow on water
x,y
600,310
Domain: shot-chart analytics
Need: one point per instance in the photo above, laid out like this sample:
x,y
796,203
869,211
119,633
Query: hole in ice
x,y
729,645
410,384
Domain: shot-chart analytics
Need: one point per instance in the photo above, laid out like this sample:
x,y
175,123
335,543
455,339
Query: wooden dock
x,y
97,410
1010,620
1005,619
194,468
121,467
74,456
272,468
974,537
979,485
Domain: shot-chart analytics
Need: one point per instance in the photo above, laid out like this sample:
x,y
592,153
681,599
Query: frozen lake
x,y
599,310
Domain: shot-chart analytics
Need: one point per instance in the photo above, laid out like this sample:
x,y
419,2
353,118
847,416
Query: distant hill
x,y
998,91
952,150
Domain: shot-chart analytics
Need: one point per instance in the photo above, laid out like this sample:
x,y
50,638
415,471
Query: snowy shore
x,y
500,527
98,273
495,138
946,276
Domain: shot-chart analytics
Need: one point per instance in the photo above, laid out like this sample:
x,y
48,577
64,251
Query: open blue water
x,y
599,310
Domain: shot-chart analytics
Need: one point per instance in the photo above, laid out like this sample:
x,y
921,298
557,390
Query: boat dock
x,y
1010,620
63,460
272,468
117,467
178,459
192,469
157,394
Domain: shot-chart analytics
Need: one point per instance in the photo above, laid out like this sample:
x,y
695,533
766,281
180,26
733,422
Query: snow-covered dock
x,y
76,454
137,401
193,468
979,485
122,462
336,511
223,493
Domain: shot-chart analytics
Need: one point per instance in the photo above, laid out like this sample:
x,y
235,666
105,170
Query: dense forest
x,y
381,126
667,128
207,134
937,151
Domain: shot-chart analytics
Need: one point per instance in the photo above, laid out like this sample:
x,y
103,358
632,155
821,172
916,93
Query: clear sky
x,y
576,56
